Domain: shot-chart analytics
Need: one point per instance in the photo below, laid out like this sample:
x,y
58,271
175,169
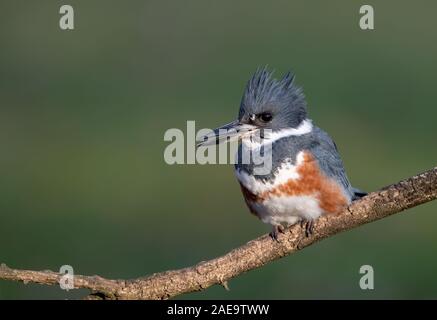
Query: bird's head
x,y
267,103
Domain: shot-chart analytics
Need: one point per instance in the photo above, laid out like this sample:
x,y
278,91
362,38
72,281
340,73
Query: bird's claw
x,y
276,231
309,227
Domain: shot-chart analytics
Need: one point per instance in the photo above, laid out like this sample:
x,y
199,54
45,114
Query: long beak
x,y
227,133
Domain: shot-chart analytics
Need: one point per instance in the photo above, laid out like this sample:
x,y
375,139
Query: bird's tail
x,y
358,194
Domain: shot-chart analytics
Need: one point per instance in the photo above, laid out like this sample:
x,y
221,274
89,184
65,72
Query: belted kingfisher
x,y
307,177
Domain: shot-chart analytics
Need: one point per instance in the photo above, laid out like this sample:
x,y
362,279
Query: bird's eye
x,y
265,116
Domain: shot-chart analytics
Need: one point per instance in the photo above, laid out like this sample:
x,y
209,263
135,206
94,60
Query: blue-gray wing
x,y
326,153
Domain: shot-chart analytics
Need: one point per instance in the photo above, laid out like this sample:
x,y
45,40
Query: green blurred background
x,y
83,115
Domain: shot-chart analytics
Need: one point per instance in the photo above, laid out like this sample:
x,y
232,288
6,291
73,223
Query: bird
x,y
307,178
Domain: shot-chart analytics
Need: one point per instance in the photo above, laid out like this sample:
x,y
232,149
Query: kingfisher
x,y
307,178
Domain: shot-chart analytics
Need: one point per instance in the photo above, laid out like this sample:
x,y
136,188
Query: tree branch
x,y
254,254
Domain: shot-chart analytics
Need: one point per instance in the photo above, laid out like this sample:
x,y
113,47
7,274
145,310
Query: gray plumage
x,y
282,98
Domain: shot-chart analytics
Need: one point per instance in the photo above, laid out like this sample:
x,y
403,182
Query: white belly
x,y
281,209
287,210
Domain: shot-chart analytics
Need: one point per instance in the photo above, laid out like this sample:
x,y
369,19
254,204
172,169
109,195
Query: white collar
x,y
306,126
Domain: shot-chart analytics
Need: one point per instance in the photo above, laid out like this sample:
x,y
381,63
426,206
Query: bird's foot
x,y
276,231
309,227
